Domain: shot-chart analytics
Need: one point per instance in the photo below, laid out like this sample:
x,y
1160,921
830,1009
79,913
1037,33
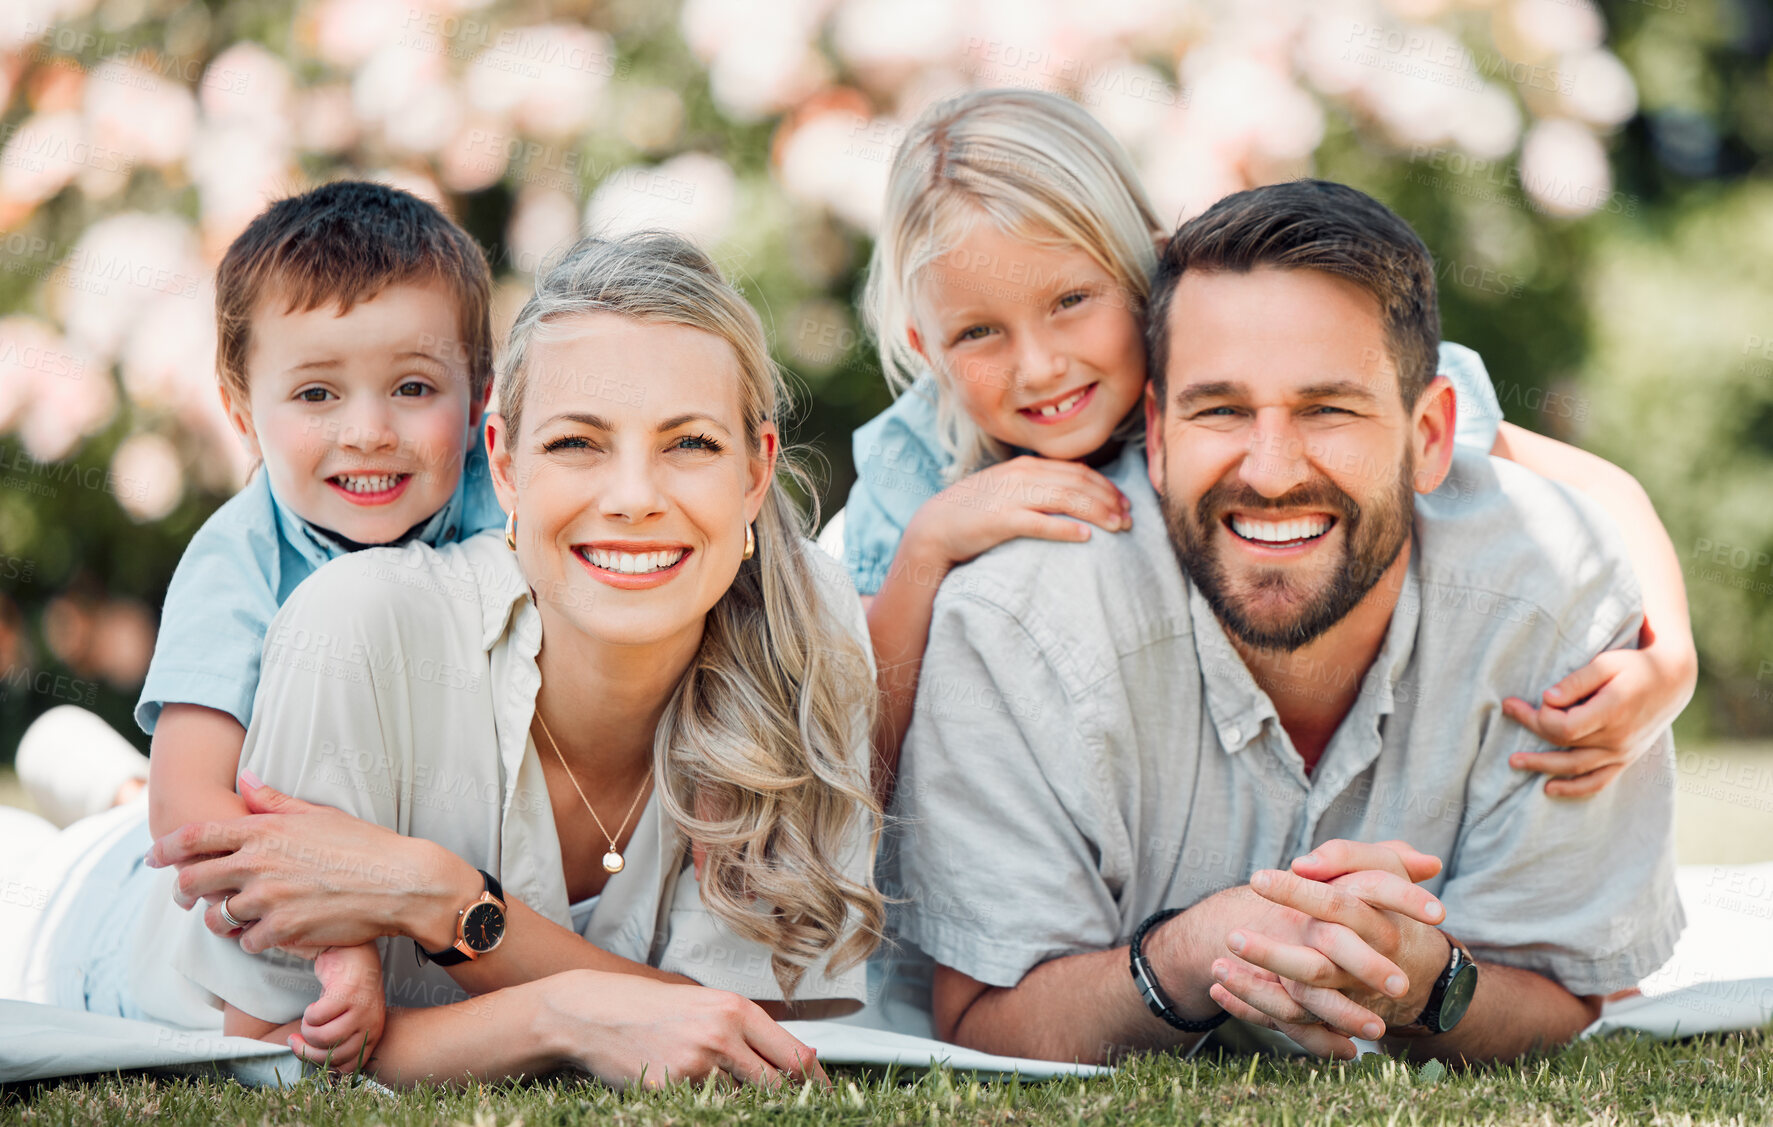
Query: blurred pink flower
x,y
1564,169
135,112
147,477
122,643
51,391
549,78
45,152
246,82
692,193
115,271
544,222
839,160
759,53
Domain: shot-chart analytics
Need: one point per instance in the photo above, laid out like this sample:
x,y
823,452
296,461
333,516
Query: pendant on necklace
x,y
612,862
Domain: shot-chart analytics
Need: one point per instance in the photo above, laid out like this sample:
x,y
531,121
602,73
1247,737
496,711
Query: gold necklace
x,y
612,861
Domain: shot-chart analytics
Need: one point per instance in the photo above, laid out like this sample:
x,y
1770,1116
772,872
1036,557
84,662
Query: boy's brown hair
x,y
1310,225
343,243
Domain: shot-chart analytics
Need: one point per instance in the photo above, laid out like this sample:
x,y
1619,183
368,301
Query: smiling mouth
x,y
1060,409
633,563
369,488
1281,533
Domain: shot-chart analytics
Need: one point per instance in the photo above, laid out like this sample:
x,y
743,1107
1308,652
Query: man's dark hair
x,y
1310,225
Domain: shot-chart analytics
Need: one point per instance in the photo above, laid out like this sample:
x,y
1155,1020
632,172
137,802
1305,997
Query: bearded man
x,y
1249,759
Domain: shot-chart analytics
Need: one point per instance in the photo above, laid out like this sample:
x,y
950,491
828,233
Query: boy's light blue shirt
x,y
240,567
900,461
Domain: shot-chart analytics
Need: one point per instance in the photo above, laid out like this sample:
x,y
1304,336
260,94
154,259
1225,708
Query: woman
x,y
652,655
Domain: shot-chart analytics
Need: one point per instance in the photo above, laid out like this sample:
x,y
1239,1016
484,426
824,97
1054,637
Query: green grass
x,y
1722,1080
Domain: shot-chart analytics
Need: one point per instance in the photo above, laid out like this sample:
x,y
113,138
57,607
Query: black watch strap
x,y
450,956
1461,968
1146,980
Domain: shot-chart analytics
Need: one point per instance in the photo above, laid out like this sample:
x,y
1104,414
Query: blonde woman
x,y
519,737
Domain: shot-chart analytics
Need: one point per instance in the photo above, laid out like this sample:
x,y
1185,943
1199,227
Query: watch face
x,y
483,926
1457,999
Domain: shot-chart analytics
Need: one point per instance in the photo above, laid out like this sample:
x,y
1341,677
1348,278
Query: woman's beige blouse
x,y
398,686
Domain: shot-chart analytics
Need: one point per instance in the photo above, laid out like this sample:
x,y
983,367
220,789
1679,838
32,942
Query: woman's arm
x,y
1611,710
623,1029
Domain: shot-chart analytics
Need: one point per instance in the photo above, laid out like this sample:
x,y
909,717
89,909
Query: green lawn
x,y
1618,1081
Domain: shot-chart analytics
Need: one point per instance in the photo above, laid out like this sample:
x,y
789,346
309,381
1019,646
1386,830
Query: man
x,y
1147,728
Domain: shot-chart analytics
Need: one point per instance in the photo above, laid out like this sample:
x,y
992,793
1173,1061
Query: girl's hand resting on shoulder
x,y
1021,497
1606,714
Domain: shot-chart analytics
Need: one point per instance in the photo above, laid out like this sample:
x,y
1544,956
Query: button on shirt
x,y
1089,748
399,686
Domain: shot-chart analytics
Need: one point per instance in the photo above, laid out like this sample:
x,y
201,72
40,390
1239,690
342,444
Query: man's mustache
x,y
1319,493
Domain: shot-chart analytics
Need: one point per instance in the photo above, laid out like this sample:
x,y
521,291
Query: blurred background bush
x,y
1593,181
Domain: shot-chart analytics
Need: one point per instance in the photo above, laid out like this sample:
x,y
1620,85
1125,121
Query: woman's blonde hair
x,y
757,750
1035,165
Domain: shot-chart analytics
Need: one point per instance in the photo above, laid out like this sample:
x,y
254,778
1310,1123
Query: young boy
x,y
354,356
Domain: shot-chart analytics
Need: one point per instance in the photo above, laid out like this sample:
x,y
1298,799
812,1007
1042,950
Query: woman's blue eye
x,y
570,442
699,442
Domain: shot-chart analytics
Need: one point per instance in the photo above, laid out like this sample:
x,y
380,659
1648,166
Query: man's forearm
x,y
1076,1008
1513,1012
1085,1007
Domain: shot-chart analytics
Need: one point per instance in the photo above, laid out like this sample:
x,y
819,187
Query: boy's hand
x,y
340,1030
1605,714
1017,498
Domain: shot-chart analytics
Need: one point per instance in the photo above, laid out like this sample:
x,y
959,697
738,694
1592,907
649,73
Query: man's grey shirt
x,y
1088,748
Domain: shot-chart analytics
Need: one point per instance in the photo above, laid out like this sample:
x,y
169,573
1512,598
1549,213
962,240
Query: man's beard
x,y
1371,540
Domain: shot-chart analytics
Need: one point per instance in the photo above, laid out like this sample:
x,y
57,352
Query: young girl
x,y
1007,293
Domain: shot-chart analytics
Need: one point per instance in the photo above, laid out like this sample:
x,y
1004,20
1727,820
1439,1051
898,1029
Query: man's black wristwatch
x,y
1451,995
479,927
1155,999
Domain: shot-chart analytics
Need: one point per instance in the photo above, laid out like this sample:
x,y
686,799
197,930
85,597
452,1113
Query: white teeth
x,y
1062,406
368,483
1282,531
634,563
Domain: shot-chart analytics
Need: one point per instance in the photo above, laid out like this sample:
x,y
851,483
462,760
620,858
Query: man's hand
x,y
1356,949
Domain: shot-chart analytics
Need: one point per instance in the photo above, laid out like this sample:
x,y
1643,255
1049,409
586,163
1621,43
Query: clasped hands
x,y
1343,945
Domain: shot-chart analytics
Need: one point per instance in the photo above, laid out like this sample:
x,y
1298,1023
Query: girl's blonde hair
x,y
756,753
1034,164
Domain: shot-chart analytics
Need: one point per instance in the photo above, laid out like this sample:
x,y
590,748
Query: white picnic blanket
x,y
39,1042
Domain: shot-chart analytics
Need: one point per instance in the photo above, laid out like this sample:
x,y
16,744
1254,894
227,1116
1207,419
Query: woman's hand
x,y
308,876
1606,714
629,1030
1018,498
